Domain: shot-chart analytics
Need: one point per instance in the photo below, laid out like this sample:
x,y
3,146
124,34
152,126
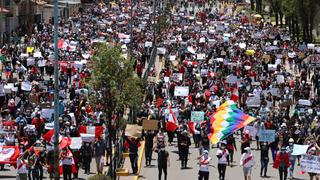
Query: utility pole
x,y
131,29
56,94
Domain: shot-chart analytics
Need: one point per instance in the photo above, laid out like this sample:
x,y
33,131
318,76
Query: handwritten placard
x,y
197,116
267,135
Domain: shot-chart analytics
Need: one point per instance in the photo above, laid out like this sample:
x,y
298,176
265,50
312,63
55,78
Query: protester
x,y
223,160
99,152
247,161
204,166
163,162
133,144
264,159
86,155
282,163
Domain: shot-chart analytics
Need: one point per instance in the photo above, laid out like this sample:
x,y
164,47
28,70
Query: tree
x,y
114,85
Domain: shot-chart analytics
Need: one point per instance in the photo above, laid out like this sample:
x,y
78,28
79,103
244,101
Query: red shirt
x,y
37,123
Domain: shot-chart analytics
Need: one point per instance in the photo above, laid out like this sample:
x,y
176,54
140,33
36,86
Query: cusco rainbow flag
x,y
226,120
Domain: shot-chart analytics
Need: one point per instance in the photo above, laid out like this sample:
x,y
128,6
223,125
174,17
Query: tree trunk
x,y
281,17
252,4
296,24
277,18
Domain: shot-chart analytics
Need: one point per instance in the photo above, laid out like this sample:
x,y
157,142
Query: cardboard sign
x,y
197,116
310,164
133,130
286,103
150,124
181,91
267,135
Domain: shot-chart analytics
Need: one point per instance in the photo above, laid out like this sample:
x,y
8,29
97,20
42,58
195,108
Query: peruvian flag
x,y
73,166
171,125
235,94
96,130
9,155
49,136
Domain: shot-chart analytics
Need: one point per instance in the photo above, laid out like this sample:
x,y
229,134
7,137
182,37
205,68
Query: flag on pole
x,y
9,155
226,120
171,125
96,130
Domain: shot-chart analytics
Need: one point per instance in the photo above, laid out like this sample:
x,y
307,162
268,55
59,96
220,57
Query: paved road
x,y
10,172
232,173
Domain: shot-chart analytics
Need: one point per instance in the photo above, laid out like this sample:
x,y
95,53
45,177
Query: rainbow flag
x,y
226,120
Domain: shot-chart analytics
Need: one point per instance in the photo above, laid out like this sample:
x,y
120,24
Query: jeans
x,y
100,163
134,163
203,175
274,153
283,172
164,169
292,162
148,155
222,171
264,166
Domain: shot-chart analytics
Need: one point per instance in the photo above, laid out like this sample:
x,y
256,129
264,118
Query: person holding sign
x,y
292,158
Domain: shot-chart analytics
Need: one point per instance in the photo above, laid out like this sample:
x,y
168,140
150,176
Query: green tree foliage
x,y
113,76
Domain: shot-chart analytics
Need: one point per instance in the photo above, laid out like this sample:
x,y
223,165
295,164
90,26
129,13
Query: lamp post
x,y
56,94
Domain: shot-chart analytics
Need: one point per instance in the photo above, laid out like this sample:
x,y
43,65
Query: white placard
x,y
253,101
26,86
87,137
310,164
181,91
201,56
30,61
47,113
37,55
76,143
272,67
280,79
172,57
42,63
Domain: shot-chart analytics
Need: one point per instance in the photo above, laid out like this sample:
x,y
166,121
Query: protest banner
x,y
181,91
267,135
310,164
299,149
150,124
252,131
197,116
133,130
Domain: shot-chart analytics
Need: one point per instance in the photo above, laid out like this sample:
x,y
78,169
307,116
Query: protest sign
x,y
197,116
253,101
310,164
26,86
267,135
272,67
176,77
299,149
76,143
274,91
47,113
87,137
152,79
201,56
280,79
252,131
30,49
181,91
150,124
133,130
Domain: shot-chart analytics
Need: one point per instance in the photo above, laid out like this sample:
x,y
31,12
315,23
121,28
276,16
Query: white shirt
x,y
224,154
247,160
204,167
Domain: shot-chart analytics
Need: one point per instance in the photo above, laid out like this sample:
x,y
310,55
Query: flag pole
x,y
56,95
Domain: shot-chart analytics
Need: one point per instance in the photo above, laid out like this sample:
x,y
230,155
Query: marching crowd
x,y
216,54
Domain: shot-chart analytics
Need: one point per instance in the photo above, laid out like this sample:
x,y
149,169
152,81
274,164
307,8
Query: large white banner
x,y
310,164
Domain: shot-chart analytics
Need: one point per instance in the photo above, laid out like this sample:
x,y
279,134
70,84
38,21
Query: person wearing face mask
x,y
282,163
86,154
247,161
2,142
223,160
264,159
292,158
163,162
204,166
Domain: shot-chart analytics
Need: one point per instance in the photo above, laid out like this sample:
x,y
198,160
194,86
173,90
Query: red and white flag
x,y
73,165
235,94
9,155
96,130
171,125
